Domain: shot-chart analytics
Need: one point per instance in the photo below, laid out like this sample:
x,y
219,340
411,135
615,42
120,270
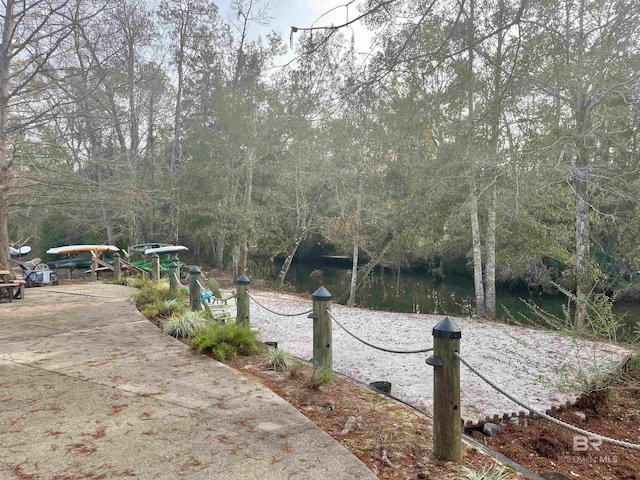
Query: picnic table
x,y
10,288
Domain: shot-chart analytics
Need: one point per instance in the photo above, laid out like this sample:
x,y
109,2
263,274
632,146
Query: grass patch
x,y
225,341
185,325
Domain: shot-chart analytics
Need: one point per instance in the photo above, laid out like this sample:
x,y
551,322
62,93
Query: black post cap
x,y
321,295
172,265
195,270
243,280
446,329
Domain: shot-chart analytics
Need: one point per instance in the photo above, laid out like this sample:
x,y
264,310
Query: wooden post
x,y
94,265
322,337
155,267
447,430
173,281
176,260
117,267
195,301
242,302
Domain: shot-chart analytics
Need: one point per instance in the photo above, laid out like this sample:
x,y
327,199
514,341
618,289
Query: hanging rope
x,y
279,313
568,426
374,346
178,280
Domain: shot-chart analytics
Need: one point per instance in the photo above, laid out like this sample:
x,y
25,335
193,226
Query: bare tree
x,y
34,37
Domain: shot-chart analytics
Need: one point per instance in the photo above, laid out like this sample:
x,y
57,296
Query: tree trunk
x,y
375,260
5,57
354,272
478,280
583,271
477,254
219,254
108,221
490,267
301,236
244,247
581,181
490,241
356,241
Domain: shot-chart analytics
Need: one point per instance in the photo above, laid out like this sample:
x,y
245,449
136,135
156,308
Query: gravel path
x,y
540,367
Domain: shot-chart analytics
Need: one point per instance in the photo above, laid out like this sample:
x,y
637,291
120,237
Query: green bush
x,y
225,341
155,298
185,325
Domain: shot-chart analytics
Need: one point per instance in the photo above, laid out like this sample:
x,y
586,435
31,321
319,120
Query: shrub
x,y
155,298
223,342
600,317
185,325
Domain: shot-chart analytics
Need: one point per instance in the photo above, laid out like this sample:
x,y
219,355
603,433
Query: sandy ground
x,y
539,367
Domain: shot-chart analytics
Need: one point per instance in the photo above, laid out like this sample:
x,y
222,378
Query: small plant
x,y
225,341
326,376
278,358
487,473
185,325
320,378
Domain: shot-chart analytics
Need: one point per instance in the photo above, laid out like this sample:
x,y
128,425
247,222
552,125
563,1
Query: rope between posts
x,y
568,426
279,313
178,280
374,346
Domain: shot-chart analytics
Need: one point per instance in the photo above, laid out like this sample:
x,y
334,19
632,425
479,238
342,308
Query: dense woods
x,y
501,134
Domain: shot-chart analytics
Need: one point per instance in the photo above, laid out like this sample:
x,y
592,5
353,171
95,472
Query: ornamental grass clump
x,y
185,325
487,473
225,341
278,358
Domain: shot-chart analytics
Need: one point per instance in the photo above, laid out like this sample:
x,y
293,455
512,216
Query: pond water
x,y
422,293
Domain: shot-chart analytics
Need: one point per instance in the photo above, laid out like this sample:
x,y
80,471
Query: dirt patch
x,y
544,447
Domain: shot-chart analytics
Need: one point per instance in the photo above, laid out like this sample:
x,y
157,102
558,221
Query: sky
x,y
303,13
